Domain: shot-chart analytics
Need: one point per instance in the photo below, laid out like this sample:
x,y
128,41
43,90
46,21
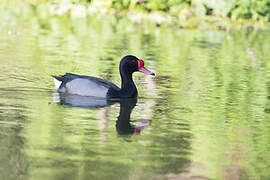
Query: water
x,y
204,116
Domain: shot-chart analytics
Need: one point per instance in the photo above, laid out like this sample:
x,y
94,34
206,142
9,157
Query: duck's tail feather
x,y
58,81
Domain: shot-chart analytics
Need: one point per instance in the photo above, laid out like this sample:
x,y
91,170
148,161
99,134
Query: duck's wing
x,y
102,82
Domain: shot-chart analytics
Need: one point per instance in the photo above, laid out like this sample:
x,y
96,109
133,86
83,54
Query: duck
x,y
95,87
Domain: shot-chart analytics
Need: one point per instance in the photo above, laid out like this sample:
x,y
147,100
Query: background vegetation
x,y
183,13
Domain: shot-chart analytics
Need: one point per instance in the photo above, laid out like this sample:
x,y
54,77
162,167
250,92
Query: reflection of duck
x,y
92,86
82,101
123,125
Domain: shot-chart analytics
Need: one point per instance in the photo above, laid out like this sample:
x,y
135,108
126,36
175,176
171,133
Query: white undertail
x,y
57,83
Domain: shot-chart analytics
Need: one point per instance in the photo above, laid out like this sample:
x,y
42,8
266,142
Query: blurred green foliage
x,y
220,14
234,9
246,9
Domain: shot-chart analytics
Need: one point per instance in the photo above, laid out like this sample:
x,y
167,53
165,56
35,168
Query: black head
x,y
130,64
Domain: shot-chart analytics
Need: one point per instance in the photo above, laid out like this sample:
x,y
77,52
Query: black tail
x,y
59,78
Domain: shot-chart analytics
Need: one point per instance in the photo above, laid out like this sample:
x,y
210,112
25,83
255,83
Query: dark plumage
x,y
92,86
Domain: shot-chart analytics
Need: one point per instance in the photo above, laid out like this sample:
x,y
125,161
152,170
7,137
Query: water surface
x,y
204,116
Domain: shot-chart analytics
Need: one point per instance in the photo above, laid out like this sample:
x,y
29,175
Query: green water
x,y
205,115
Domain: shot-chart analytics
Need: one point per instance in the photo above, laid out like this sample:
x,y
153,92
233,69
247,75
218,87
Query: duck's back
x,y
84,85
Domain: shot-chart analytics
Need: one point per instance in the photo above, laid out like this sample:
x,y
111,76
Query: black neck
x,y
128,88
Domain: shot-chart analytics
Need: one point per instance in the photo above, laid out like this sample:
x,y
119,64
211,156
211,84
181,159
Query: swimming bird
x,y
96,87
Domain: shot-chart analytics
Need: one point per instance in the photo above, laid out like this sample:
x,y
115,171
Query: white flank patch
x,y
57,83
85,87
